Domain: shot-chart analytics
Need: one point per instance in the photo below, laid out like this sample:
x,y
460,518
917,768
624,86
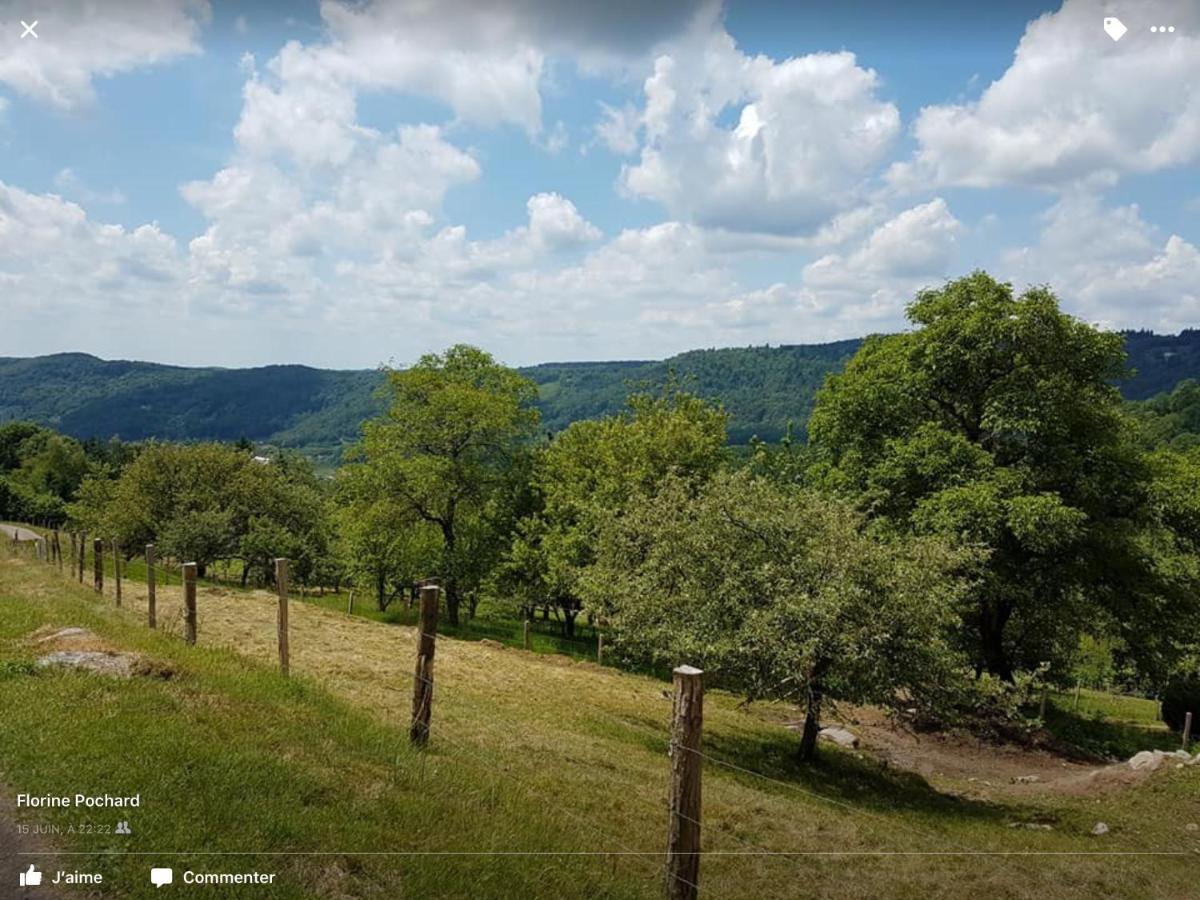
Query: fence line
x,y
153,569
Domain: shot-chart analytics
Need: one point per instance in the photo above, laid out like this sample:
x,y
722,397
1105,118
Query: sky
x,y
346,184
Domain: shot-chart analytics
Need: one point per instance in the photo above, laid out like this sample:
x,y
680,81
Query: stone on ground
x,y
119,665
839,736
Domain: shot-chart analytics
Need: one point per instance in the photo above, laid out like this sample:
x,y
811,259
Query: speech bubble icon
x,y
159,877
1114,28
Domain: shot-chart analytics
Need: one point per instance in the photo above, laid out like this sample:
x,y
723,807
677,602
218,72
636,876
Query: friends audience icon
x,y
123,828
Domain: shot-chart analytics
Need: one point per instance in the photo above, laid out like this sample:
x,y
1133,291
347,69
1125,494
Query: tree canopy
x,y
455,424
995,422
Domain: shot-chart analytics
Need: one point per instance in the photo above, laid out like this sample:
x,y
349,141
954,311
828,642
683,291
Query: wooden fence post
x,y
58,551
1187,729
281,584
98,564
117,568
189,602
82,553
528,645
423,682
683,827
350,603
151,588
600,648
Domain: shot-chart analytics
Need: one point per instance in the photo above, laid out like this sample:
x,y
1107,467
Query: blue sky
x,y
349,184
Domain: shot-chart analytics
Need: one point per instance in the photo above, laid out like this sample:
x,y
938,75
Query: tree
x,y
996,423
204,502
778,592
591,471
383,546
455,424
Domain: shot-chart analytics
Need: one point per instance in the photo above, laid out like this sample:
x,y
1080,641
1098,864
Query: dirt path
x,y
988,770
16,532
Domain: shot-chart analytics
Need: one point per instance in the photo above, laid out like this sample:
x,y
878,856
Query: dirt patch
x,y
982,769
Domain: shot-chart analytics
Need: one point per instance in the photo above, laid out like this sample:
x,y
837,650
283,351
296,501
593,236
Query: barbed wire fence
x,y
676,867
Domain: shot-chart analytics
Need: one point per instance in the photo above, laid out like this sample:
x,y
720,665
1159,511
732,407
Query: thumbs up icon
x,y
32,878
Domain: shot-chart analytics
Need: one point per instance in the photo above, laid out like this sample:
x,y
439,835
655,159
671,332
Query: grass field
x,y
545,776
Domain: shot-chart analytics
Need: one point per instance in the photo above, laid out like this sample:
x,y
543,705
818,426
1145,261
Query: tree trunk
x,y
992,621
381,599
451,585
569,621
452,600
812,725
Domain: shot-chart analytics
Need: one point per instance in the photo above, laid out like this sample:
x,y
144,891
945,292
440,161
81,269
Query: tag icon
x,y
1114,28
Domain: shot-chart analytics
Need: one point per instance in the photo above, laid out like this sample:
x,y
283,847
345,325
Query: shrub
x,y
1181,696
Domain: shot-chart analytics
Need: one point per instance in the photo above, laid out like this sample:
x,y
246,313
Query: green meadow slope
x,y
544,777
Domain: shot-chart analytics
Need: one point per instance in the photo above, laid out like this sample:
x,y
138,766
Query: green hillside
x,y
763,388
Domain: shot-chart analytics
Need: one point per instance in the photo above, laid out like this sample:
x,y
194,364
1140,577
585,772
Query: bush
x,y
1181,696
987,706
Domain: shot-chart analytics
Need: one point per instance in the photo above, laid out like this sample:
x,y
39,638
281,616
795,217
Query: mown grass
x,y
529,753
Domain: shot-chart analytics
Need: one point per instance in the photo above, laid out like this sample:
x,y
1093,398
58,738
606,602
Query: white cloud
x,y
1110,266
486,61
71,186
1073,107
870,285
80,41
555,223
809,134
53,258
618,128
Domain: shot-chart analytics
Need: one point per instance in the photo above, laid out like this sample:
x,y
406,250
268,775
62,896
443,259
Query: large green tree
x,y
456,423
778,592
593,470
995,421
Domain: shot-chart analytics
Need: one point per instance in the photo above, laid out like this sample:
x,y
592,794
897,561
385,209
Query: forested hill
x,y
762,387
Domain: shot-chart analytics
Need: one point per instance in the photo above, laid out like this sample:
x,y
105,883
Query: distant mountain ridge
x,y
763,388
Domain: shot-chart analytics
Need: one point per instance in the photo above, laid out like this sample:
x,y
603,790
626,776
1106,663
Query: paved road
x,y
21,534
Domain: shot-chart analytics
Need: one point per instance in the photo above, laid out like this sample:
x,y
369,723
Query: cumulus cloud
x,y
809,133
485,60
81,41
1110,266
52,256
1073,107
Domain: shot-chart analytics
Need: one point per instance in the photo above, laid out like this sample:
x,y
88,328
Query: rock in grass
x,y
1150,760
1191,826
1099,828
1027,779
115,664
1147,760
839,736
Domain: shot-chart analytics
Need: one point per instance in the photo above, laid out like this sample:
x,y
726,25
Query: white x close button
x,y
29,29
